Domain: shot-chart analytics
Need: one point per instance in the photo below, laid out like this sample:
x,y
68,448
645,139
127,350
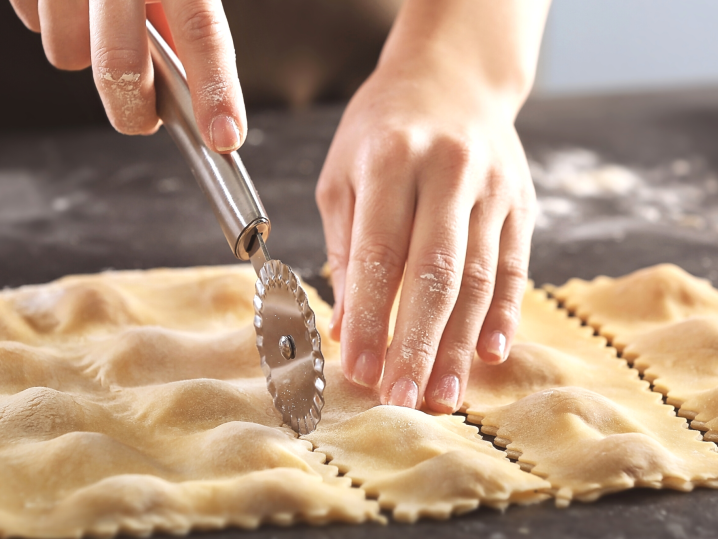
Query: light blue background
x,y
598,46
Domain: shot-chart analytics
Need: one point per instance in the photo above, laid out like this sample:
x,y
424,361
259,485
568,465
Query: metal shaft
x,y
259,253
223,178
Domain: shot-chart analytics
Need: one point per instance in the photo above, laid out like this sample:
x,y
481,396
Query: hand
x,y
110,35
426,178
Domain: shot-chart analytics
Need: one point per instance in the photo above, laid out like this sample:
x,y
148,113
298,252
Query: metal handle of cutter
x,y
223,178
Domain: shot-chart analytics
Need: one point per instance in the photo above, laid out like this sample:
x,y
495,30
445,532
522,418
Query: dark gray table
x,y
87,200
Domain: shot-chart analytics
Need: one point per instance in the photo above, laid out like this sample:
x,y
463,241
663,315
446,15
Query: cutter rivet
x,y
287,347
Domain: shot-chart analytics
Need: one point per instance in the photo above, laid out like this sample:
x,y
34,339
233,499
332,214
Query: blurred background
x,y
289,53
599,46
302,51
621,134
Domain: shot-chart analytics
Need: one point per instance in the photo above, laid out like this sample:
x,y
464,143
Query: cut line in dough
x,y
575,413
666,323
133,402
421,465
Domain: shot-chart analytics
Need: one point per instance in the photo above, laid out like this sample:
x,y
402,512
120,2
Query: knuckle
x,y
396,141
391,150
218,87
477,282
379,251
325,194
418,348
455,150
497,194
514,269
453,154
199,24
440,267
509,300
129,105
498,182
116,59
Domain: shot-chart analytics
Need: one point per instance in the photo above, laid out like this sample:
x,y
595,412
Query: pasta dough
x,y
639,302
666,323
133,402
577,415
418,464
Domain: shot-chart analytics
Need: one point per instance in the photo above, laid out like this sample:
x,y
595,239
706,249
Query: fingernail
x,y
497,345
447,392
366,370
405,392
224,133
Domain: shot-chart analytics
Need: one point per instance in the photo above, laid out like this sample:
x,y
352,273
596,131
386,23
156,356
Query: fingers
x,y
461,291
156,15
65,29
380,237
65,33
121,64
447,383
113,38
505,312
27,12
336,206
204,44
431,283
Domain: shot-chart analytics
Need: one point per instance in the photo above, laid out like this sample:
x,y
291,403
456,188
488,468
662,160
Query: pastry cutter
x,y
287,338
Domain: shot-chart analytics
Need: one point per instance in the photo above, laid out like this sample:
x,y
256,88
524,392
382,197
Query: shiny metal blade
x,y
289,346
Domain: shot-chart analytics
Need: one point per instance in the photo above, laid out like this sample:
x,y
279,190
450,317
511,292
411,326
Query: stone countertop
x,y
623,182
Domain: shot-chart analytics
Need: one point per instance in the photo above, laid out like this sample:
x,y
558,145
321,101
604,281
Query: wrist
x,y
492,46
448,79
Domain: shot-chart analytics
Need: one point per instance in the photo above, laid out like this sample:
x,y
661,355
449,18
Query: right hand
x,y
110,35
426,182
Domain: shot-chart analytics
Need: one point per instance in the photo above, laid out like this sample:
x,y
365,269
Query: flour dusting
x,y
583,196
126,90
579,172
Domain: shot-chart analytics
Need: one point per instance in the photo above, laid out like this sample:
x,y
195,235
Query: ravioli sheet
x,y
665,321
133,402
416,464
574,413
